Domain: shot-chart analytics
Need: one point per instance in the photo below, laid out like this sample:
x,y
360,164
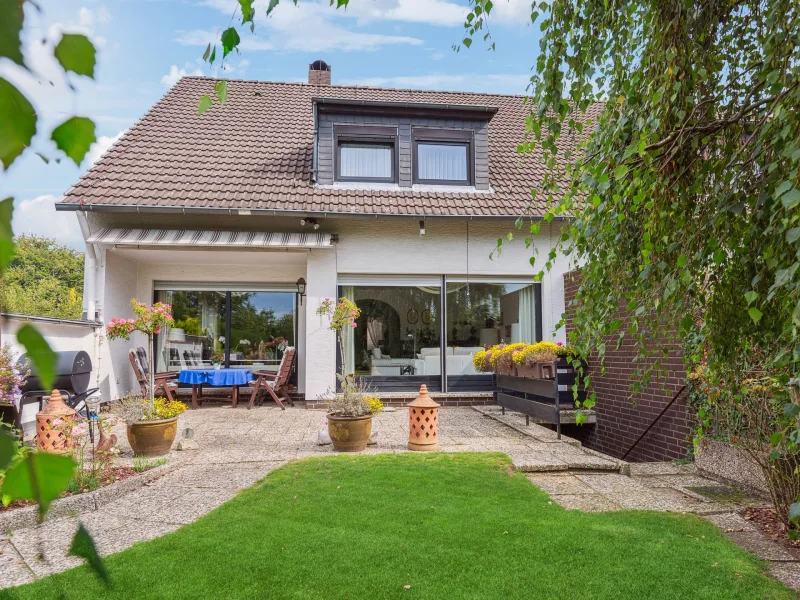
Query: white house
x,y
247,217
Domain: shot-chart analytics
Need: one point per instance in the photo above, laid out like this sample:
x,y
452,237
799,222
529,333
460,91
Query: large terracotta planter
x,y
152,438
349,434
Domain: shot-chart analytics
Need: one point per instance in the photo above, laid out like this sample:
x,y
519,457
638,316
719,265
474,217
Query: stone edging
x,y
27,516
622,466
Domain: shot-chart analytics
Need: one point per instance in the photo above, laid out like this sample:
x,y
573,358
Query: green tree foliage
x,y
44,278
684,199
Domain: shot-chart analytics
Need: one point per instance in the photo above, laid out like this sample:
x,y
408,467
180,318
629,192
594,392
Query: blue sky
x,y
144,46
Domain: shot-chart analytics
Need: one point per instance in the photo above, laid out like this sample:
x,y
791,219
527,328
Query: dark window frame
x,y
365,134
445,137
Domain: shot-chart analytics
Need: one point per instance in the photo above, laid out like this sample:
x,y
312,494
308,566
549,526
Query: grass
x,y
449,526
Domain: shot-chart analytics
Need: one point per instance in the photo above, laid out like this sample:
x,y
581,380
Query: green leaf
x,y
222,91
791,410
776,438
17,125
83,547
6,234
204,104
791,198
247,10
272,5
230,39
620,172
207,53
750,297
8,448
213,56
11,19
755,314
39,353
41,477
794,511
467,42
77,54
793,234
74,136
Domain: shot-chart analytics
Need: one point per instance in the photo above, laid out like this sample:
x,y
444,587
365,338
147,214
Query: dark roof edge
x,y
406,104
53,320
132,208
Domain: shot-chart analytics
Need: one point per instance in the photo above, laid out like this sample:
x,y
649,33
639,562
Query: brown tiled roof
x,y
255,152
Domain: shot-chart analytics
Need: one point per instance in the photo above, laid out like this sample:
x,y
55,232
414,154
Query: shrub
x,y
481,362
375,404
132,408
352,401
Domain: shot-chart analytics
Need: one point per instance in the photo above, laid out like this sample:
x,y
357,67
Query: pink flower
x,y
131,328
559,344
355,325
58,422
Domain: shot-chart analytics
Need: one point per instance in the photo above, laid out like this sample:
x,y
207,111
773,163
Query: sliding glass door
x,y
485,313
247,329
396,345
410,333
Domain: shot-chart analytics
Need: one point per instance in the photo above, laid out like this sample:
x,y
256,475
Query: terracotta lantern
x,y
49,437
423,422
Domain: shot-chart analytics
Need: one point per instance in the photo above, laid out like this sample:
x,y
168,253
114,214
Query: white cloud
x,y
100,147
307,27
430,12
511,12
38,216
175,74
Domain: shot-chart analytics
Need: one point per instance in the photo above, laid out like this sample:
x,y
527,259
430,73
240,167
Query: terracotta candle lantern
x,y
423,422
50,436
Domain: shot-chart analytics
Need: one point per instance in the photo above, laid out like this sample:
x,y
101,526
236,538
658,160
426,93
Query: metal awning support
x,y
183,238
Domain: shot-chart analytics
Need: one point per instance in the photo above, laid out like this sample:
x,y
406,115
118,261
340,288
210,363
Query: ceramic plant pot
x,y
152,438
349,434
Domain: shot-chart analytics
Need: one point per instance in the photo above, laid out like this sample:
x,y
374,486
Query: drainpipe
x,y
89,271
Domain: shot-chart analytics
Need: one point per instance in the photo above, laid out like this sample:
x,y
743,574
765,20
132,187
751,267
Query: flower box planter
x,y
544,370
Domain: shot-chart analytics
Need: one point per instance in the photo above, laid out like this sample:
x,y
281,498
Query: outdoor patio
x,y
238,447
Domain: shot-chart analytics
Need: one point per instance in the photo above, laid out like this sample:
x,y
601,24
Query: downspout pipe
x,y
316,137
89,272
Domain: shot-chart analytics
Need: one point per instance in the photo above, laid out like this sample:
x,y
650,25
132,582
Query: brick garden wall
x,y
621,416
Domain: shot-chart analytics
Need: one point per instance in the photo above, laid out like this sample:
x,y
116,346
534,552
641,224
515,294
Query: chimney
x,y
319,73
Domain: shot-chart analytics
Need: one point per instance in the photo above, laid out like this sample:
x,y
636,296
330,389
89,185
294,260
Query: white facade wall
x,y
62,336
365,246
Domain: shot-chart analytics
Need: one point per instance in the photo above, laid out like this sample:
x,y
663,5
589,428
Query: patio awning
x,y
183,238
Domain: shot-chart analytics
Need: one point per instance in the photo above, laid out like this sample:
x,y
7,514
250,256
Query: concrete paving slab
x,y
13,570
586,502
786,573
559,484
761,547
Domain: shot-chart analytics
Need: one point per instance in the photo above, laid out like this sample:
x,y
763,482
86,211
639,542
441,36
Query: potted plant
x,y
502,357
149,321
217,360
349,411
151,431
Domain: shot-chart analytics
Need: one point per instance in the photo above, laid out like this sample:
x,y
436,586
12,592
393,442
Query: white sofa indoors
x,y
459,362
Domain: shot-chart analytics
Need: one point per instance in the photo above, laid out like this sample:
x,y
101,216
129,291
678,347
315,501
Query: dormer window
x,y
366,153
443,156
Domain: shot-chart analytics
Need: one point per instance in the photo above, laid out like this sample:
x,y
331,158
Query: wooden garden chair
x,y
163,383
274,383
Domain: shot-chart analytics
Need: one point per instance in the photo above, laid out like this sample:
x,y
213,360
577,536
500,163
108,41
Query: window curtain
x,y
365,160
527,315
444,162
348,336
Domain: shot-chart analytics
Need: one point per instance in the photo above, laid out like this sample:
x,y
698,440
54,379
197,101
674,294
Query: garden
x,y
465,525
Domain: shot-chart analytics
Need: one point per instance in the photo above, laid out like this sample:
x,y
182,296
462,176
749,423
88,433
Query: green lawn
x,y
448,525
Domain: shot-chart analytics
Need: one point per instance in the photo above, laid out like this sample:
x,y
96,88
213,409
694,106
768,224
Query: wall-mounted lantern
x,y
301,289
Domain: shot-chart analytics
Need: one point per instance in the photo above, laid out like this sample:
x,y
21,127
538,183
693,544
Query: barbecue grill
x,y
73,374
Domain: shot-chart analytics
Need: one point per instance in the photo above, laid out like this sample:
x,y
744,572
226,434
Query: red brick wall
x,y
621,415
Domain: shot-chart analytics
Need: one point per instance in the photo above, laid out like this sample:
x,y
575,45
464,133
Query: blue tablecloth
x,y
217,377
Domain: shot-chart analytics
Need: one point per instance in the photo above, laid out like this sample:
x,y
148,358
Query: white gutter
x,y
89,271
